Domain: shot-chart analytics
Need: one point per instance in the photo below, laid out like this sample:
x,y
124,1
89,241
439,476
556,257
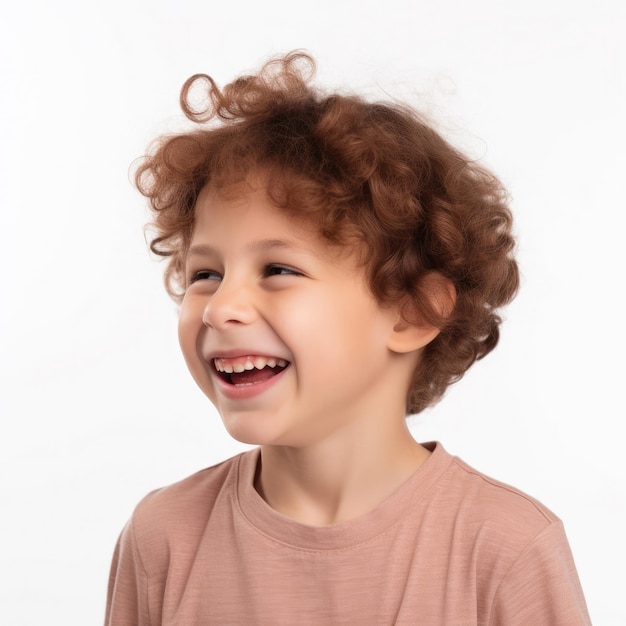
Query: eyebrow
x,y
260,245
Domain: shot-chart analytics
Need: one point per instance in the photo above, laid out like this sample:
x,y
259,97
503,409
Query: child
x,y
338,265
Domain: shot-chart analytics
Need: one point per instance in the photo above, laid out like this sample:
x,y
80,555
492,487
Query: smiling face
x,y
280,331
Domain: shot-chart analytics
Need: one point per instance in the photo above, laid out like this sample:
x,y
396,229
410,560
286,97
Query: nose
x,y
230,305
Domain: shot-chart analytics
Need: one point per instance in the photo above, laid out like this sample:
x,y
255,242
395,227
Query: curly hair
x,y
418,206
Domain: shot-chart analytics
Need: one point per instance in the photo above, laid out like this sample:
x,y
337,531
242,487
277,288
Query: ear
x,y
412,331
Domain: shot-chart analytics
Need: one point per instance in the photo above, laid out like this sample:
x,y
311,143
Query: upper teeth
x,y
258,362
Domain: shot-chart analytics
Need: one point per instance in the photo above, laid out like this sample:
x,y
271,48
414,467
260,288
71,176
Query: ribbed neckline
x,y
340,536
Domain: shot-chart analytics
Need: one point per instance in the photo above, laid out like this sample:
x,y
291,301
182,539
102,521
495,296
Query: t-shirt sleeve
x,y
542,586
127,593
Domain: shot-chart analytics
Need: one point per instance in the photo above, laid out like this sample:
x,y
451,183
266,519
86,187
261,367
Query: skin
x,y
331,426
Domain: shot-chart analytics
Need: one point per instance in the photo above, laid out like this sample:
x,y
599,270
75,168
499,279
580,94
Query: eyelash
x,y
282,270
202,275
271,269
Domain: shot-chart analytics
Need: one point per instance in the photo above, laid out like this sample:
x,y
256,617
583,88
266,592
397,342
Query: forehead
x,y
246,225
243,212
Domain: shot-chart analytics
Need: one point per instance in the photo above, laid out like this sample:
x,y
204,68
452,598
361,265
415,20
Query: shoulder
x,y
188,494
177,515
486,521
516,547
487,502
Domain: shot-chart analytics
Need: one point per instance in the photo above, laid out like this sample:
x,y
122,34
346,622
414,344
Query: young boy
x,y
338,265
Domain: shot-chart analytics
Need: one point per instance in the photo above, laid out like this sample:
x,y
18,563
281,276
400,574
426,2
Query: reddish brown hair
x,y
419,207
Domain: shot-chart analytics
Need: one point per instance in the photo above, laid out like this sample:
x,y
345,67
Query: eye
x,y
204,275
280,270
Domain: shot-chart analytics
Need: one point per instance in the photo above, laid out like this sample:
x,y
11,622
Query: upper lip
x,y
234,353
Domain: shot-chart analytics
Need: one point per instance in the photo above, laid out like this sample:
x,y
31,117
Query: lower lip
x,y
244,392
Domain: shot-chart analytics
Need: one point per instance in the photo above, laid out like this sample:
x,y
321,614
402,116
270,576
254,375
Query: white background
x,y
96,405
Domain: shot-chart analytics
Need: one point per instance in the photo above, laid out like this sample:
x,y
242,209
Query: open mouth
x,y
248,370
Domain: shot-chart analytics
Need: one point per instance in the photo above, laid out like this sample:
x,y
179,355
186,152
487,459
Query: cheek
x,y
188,332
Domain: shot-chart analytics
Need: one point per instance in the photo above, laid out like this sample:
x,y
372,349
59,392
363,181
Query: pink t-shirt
x,y
449,547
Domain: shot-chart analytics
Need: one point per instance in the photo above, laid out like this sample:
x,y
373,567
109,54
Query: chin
x,y
249,434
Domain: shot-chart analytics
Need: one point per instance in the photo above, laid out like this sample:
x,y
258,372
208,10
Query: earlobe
x,y
415,327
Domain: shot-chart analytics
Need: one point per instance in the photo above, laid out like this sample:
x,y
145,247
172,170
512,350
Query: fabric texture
x,y
449,547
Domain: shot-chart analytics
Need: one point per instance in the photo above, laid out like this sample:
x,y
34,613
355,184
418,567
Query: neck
x,y
340,478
